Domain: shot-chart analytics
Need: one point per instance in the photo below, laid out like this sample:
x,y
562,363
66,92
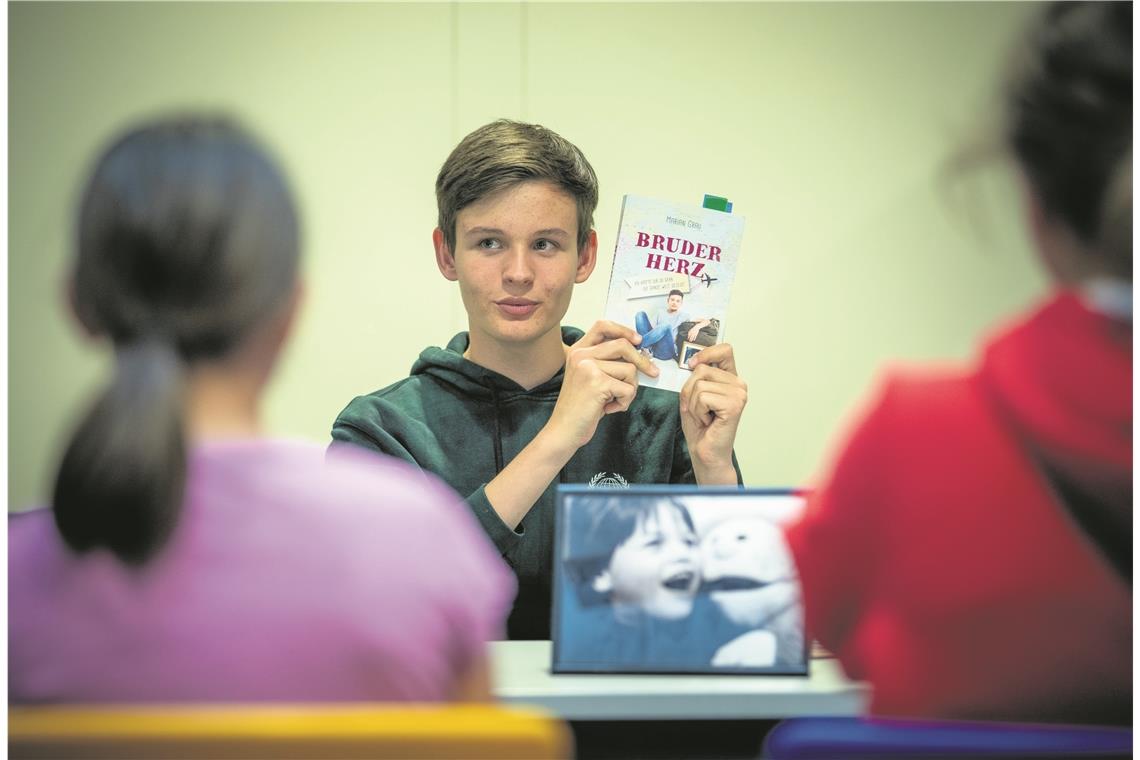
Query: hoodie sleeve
x,y
505,539
376,438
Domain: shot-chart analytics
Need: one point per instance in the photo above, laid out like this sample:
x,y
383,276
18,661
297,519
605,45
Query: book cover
x,y
674,265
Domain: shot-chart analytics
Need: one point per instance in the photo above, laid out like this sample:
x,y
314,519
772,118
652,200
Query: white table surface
x,y
522,675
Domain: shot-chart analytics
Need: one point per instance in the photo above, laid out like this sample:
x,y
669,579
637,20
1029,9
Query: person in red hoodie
x,y
969,552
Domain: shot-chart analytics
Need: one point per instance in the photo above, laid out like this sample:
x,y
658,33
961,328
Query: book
x,y
674,265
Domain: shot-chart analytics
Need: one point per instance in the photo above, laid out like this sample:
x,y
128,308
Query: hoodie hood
x,y
479,384
1062,379
449,366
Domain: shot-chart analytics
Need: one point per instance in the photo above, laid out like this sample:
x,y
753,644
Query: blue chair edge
x,y
815,738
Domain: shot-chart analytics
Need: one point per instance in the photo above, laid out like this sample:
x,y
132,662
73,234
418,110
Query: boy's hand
x,y
712,401
600,379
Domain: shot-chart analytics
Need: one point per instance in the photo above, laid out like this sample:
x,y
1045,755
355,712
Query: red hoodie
x,y
936,562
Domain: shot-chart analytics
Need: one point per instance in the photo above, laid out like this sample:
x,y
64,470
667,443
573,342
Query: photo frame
x,y
688,351
676,579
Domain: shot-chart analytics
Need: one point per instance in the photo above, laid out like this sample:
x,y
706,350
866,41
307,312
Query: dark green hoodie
x,y
464,423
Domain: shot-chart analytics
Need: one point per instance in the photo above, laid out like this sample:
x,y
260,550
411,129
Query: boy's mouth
x,y
517,307
681,581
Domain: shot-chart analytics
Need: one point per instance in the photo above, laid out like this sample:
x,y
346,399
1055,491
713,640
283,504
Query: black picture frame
x,y
676,579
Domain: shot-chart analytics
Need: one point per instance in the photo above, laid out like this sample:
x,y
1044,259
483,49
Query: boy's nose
x,y
517,267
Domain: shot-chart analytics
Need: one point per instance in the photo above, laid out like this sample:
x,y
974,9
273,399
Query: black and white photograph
x,y
675,579
688,351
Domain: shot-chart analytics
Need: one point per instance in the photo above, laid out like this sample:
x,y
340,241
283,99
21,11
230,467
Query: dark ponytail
x,y
120,482
187,239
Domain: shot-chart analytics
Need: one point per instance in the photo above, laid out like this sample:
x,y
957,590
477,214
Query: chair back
x,y
283,732
858,738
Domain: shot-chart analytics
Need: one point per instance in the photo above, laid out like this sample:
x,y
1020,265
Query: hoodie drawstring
x,y
562,477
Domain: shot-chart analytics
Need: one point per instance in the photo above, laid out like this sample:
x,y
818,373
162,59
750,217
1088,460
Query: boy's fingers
x,y
702,401
619,370
621,395
704,397
621,350
716,375
611,379
719,355
604,330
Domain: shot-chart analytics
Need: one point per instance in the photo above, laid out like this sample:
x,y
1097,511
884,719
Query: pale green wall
x,y
824,123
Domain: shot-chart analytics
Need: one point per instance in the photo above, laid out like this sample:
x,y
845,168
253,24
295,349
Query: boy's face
x,y
516,260
673,303
657,568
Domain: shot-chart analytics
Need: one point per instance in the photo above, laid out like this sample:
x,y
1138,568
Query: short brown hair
x,y
504,153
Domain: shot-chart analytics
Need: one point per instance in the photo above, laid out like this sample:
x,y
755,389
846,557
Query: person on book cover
x,y
969,552
520,402
659,337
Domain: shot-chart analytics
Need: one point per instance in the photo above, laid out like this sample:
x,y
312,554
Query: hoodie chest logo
x,y
608,480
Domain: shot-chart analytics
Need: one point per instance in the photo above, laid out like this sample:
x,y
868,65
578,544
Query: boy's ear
x,y
443,256
603,582
587,258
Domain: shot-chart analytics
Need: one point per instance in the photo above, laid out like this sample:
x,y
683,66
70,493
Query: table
x,y
521,671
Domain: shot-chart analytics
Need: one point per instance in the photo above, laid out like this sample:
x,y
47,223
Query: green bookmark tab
x,y
716,203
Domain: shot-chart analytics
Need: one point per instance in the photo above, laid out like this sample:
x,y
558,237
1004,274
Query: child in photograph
x,y
185,555
635,563
750,576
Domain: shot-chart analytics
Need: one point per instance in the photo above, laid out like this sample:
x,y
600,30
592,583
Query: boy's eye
x,y
489,244
542,244
654,541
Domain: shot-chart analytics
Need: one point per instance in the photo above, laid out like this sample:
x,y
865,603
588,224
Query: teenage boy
x,y
520,403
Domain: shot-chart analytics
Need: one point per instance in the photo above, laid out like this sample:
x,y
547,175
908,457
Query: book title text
x,y
679,246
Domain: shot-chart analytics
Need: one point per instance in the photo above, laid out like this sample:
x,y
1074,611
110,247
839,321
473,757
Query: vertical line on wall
x,y
458,315
524,104
454,73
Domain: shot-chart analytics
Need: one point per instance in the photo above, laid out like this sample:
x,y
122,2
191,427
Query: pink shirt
x,y
287,578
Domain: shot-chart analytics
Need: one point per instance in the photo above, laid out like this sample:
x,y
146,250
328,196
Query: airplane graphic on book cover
x,y
674,265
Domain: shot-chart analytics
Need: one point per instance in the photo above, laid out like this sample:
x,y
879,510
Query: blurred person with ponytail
x,y
969,553
185,556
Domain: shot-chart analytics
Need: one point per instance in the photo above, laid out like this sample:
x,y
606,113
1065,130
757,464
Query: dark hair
x,y
598,525
675,293
504,153
187,238
1068,122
